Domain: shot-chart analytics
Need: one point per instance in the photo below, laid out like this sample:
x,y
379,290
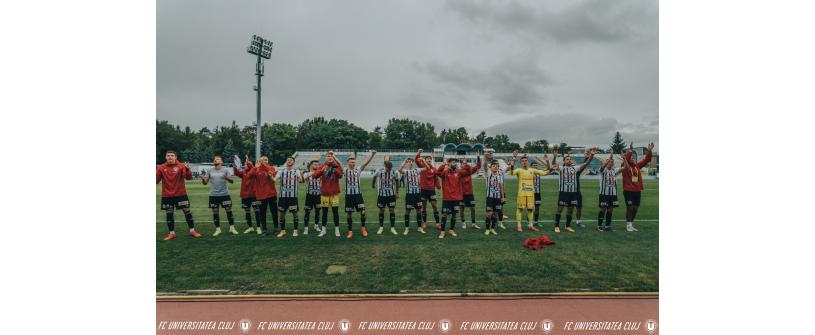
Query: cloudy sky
x,y
573,71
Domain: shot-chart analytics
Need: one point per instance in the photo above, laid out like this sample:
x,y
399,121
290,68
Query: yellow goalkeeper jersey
x,y
526,180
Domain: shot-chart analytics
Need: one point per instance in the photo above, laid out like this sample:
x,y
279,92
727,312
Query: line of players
x,y
421,178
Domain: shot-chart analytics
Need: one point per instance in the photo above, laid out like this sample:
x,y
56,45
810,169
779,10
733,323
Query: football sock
x,y
282,221
424,216
443,222
274,215
306,217
393,219
419,219
537,214
362,218
216,219
350,220
325,216
472,215
407,220
608,218
435,215
529,216
494,221
453,221
557,220
599,219
170,221
248,216
230,218
188,217
462,215
568,220
381,219
296,224
518,217
262,218
257,217
336,212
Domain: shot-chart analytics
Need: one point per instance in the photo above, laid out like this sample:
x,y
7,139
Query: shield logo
x,y
444,325
650,326
547,325
345,325
245,324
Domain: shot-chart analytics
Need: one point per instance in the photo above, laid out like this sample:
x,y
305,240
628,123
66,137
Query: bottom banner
x,y
397,314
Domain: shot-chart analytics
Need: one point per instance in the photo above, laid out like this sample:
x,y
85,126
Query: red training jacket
x,y
172,179
330,182
467,181
262,183
628,183
427,178
451,182
246,183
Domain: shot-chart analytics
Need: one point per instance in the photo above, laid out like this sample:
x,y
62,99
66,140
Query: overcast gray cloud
x,y
562,70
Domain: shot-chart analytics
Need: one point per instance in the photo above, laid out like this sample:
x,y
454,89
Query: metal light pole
x,y
262,48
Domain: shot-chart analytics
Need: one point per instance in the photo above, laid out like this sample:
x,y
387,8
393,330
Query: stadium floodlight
x,y
261,48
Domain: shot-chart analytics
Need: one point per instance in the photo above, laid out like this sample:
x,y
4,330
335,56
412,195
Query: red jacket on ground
x,y
628,174
246,182
172,179
330,182
467,181
427,178
262,182
451,182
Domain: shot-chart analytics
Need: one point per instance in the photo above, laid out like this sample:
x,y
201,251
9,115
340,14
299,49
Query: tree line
x,y
279,140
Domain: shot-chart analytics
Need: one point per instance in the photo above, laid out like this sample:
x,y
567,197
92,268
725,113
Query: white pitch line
x,y
330,222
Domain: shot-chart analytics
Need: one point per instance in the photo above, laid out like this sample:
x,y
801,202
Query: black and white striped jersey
x,y
386,182
412,180
288,182
568,177
352,181
494,182
608,181
537,183
313,183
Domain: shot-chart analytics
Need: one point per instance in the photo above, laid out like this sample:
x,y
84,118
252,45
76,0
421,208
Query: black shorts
x,y
607,201
312,201
387,200
413,200
428,194
354,202
632,198
579,199
247,202
287,204
179,202
450,206
567,199
537,199
216,201
494,204
262,205
468,201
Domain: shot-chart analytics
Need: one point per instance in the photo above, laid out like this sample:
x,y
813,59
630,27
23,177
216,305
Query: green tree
x,y
278,141
617,144
375,140
536,146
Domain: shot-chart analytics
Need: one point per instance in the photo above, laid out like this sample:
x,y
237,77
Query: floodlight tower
x,y
262,48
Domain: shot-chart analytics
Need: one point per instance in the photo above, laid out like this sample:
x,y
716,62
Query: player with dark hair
x,y
219,195
312,196
526,190
452,194
172,175
632,184
330,173
265,192
568,197
467,191
499,211
413,198
427,185
495,196
388,190
608,193
289,178
545,164
353,195
247,195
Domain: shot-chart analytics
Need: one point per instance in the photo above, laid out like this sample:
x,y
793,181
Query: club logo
x,y
345,325
444,325
650,326
547,326
245,325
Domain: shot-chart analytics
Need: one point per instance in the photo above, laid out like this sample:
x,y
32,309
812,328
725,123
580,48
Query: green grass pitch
x,y
585,261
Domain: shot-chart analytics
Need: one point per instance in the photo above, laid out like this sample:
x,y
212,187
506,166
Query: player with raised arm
x,y
219,197
265,192
312,196
467,191
353,194
247,195
499,212
526,190
413,199
289,178
567,196
608,193
427,186
172,175
632,184
386,180
535,165
452,194
579,206
495,196
329,173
